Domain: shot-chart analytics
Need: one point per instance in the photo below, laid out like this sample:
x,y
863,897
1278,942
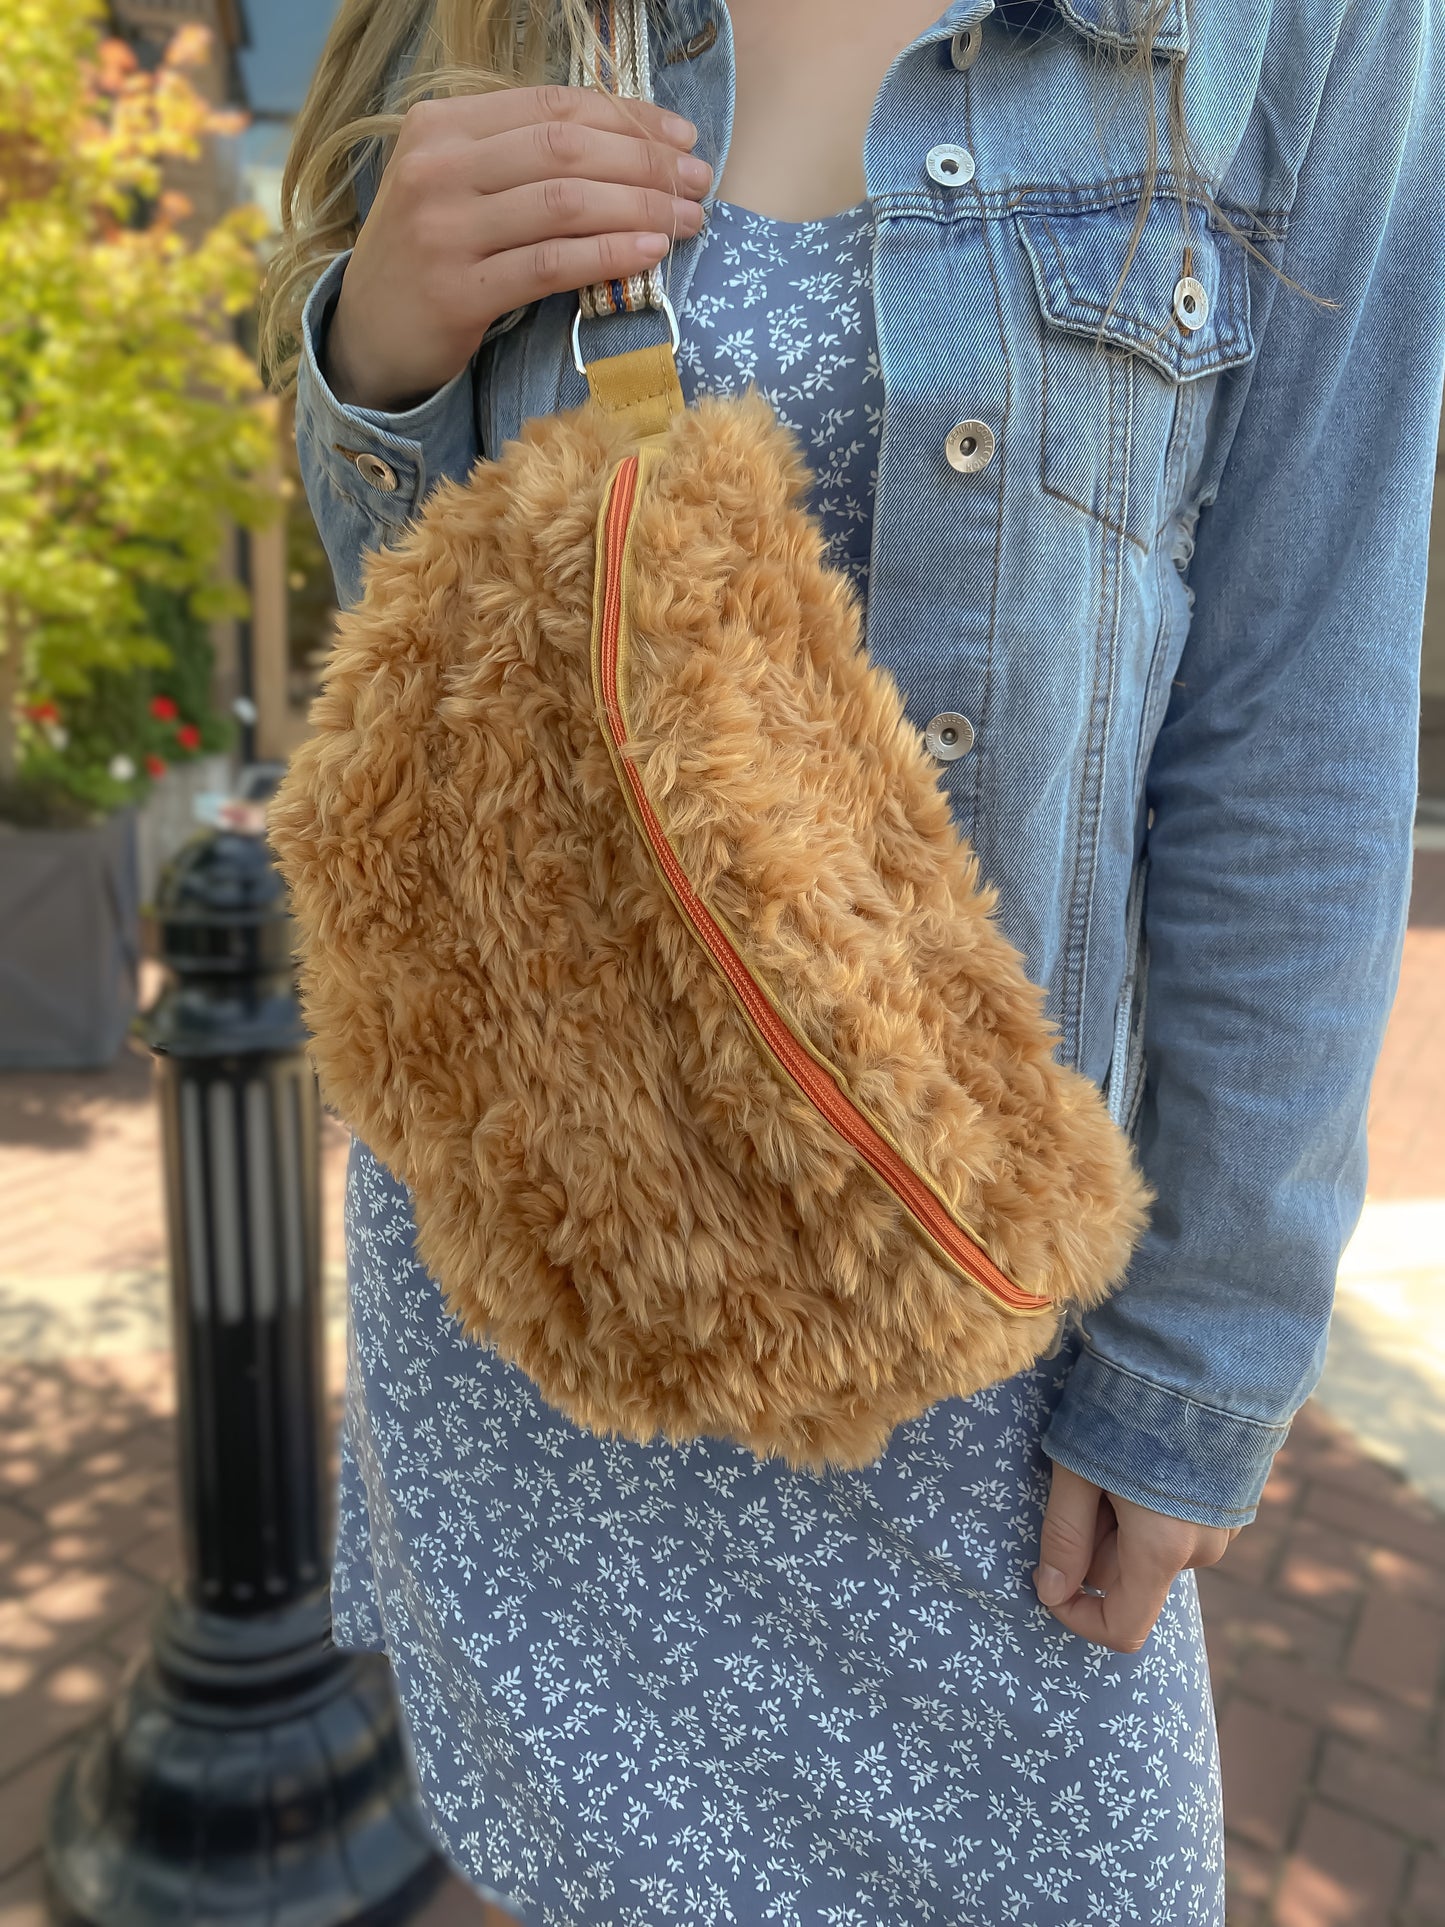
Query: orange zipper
x,y
819,1085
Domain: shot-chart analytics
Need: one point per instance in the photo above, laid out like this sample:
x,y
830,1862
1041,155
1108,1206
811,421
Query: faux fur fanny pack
x,y
638,940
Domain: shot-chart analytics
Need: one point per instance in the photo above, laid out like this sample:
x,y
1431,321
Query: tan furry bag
x,y
638,941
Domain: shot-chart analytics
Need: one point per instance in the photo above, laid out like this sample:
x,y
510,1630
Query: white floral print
x,y
649,1686
789,306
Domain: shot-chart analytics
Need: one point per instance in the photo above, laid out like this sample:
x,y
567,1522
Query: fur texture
x,y
613,1185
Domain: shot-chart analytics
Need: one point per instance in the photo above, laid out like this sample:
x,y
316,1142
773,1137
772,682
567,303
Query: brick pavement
x,y
1325,1621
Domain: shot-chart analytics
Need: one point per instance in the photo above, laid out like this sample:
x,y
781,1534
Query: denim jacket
x,y
1181,605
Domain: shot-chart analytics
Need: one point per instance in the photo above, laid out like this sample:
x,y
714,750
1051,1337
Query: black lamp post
x,y
248,1770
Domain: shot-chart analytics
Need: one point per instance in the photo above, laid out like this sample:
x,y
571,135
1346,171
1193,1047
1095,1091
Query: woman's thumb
x,y
1066,1544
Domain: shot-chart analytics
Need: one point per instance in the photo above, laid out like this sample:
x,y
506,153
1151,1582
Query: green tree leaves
x,y
133,427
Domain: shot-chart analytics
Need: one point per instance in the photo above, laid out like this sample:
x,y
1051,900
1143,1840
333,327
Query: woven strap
x,y
616,60
639,387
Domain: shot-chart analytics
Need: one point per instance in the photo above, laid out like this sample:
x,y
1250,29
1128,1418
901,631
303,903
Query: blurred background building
x,y
262,56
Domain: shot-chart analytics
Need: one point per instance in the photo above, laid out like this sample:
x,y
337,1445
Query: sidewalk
x,y
1326,1620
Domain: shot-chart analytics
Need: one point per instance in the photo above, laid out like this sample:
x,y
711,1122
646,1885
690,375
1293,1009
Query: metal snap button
x,y
969,447
948,165
965,45
1191,303
381,475
948,736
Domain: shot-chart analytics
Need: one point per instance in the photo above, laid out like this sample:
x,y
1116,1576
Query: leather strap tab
x,y
641,387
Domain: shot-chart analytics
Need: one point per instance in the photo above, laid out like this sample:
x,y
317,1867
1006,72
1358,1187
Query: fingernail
x,y
653,244
1051,1585
679,130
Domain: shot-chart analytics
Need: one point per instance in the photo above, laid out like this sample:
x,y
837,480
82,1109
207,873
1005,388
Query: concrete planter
x,y
69,944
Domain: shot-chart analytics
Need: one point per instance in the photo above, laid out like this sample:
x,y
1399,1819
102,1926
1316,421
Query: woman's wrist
x,y
355,384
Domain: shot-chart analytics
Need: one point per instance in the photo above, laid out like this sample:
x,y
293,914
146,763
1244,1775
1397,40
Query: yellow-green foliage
x,y
132,425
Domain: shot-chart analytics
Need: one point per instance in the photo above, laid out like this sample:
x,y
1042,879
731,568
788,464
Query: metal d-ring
x,y
581,365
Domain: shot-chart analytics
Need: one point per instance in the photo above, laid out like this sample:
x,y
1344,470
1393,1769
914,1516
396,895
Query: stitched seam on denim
x,y
1167,46
1112,190
1102,704
1044,232
1049,351
1140,1078
1108,37
1233,281
1156,1491
1174,475
1186,406
1185,1398
1071,962
986,706
1104,521
1180,434
1234,285
1141,999
1178,367
1157,657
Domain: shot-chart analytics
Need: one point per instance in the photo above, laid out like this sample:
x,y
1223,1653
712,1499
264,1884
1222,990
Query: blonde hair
x,y
382,55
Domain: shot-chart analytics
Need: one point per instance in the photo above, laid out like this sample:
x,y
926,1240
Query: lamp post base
x,y
249,1772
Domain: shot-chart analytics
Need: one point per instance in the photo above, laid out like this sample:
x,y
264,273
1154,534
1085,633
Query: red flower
x,y
43,713
163,708
156,765
188,736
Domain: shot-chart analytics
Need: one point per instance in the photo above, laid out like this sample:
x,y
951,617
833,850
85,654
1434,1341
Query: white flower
x,y
59,735
121,768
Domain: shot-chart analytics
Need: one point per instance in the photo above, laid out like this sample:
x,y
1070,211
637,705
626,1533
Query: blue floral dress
x,y
653,1686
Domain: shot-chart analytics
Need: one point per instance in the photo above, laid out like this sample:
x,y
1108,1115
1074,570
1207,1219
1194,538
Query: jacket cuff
x,y
382,463
1160,1448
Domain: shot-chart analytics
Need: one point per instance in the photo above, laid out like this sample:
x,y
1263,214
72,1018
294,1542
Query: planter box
x,y
69,944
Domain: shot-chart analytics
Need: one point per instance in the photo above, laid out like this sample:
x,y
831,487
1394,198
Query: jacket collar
x,y
1111,21
1107,21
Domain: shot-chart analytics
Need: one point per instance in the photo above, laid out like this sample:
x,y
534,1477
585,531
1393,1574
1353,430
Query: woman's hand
x,y
490,201
1124,1551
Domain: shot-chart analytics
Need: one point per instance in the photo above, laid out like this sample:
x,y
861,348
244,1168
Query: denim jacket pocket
x,y
1120,387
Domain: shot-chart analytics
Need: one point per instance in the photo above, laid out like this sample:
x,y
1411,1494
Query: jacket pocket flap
x,y
1077,257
